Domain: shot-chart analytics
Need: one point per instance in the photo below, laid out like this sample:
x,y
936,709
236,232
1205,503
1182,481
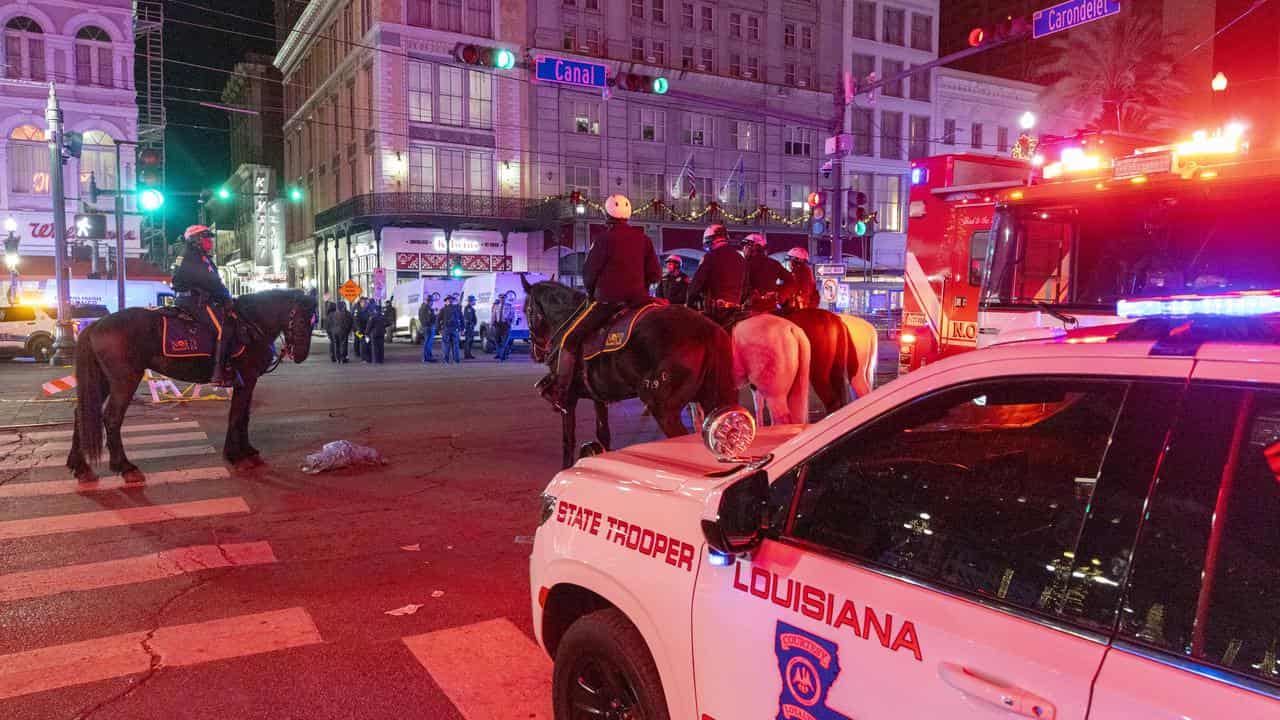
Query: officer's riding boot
x,y
223,374
556,392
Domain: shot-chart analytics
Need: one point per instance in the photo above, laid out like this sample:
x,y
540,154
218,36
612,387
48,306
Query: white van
x,y
408,295
490,285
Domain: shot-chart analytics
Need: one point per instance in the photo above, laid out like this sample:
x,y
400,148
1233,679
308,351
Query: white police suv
x,y
1086,527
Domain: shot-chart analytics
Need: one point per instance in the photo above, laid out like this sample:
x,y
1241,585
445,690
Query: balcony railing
x,y
534,213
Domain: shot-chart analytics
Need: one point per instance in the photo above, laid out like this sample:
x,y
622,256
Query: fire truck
x,y
1001,250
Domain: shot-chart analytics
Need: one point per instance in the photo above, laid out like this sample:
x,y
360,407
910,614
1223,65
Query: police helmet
x,y
618,207
714,234
798,254
197,232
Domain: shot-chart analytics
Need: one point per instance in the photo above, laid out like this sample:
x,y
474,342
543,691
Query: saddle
x,y
616,333
186,337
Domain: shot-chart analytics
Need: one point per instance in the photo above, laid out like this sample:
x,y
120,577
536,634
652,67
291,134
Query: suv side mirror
x,y
742,518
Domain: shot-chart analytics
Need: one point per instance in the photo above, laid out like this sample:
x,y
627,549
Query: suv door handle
x,y
1015,700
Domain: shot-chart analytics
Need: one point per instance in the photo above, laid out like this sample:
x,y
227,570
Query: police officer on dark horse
x,y
201,293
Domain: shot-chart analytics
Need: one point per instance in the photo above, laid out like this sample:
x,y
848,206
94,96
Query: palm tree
x,y
1116,73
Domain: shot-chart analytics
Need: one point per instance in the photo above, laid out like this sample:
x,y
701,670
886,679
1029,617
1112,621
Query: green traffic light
x,y
224,194
151,199
660,85
504,59
295,194
859,228
456,271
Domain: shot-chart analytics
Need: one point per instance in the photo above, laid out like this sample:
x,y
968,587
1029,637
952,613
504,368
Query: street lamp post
x,y
11,257
64,345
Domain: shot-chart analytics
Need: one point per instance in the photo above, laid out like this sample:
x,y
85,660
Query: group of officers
x,y
622,266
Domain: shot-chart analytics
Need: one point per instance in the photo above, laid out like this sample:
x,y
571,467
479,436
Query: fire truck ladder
x,y
148,33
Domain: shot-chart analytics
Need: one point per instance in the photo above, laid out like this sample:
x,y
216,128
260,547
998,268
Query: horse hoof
x,y
133,476
249,463
85,477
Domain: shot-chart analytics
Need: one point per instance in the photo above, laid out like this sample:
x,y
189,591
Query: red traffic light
x,y
636,82
1010,28
977,36
149,158
494,57
815,199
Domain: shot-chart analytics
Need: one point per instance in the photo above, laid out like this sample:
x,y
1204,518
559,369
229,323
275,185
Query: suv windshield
x,y
1110,246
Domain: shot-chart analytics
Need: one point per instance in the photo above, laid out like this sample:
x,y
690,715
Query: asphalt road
x,y
207,593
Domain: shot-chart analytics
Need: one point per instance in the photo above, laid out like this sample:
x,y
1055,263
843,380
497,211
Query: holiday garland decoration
x,y
660,206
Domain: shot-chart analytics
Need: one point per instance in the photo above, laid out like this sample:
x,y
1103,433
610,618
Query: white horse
x,y
771,355
866,346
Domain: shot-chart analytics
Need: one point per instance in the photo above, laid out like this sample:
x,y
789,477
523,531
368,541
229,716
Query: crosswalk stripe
x,y
129,442
138,455
126,571
127,430
109,484
32,527
173,646
526,670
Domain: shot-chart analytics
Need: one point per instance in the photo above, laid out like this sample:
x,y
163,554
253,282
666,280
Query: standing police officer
x,y
721,278
674,286
201,293
469,322
767,281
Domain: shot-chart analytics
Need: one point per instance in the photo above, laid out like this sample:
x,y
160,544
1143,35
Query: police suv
x,y
1086,526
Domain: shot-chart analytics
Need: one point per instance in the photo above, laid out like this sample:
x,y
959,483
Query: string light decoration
x,y
662,211
1025,148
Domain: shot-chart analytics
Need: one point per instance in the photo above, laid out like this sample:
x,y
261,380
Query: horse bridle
x,y
288,350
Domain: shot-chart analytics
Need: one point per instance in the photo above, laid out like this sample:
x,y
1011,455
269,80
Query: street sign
x,y
830,290
350,290
831,271
91,225
1072,13
380,283
570,72
840,145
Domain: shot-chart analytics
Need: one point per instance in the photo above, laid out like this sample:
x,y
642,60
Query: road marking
x,y
139,455
127,429
174,646
129,442
469,685
32,527
109,484
126,571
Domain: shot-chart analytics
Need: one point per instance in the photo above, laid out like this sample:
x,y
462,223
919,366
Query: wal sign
x,y
570,72
1072,13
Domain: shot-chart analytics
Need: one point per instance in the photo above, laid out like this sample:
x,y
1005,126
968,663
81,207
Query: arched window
x,y
28,160
93,57
97,160
23,49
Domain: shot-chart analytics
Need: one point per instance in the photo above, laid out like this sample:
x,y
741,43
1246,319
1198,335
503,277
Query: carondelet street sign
x,y
1072,13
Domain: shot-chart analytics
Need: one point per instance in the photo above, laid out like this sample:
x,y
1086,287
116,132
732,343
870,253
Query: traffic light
x,y
1011,28
224,193
72,143
636,82
91,225
150,197
455,268
858,211
494,57
817,213
295,194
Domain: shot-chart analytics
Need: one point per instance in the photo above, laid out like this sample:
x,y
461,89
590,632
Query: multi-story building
x,y
981,114
86,50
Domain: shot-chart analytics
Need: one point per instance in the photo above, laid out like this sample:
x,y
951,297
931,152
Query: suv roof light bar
x,y
1253,303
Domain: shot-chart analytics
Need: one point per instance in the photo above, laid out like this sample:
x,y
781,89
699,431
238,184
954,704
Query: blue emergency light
x,y
919,175
1239,304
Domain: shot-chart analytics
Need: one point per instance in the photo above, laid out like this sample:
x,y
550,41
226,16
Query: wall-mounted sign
x,y
570,72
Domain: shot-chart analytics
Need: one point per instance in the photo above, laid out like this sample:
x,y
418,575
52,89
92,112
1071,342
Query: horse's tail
x,y
863,374
718,389
89,397
798,395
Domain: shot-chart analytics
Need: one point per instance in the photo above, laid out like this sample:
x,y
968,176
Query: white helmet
x,y
714,233
755,239
618,207
798,253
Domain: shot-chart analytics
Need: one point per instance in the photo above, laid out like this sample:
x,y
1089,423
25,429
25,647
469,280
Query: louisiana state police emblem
x,y
808,665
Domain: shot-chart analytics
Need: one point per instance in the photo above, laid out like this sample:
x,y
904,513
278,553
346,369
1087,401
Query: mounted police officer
x,y
721,278
618,271
804,289
201,294
767,281
674,286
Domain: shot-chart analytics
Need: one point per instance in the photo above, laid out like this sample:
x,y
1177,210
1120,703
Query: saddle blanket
x,y
184,337
615,335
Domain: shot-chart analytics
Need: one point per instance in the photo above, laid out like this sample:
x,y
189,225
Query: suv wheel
x,y
41,349
603,671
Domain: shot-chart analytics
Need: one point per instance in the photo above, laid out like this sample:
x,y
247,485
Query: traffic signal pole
x,y
119,207
64,344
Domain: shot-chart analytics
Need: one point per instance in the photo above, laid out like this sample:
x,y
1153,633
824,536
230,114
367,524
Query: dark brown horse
x,y
113,353
832,360
675,357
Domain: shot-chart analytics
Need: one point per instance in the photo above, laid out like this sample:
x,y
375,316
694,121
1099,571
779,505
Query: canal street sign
x,y
570,72
831,271
1072,13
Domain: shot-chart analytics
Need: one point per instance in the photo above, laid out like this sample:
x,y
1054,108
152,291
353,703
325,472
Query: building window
x,y
920,85
585,180
863,66
735,25
696,130
708,63
864,19
637,49
806,37
744,135
480,169
450,15
735,64
863,118
797,141
452,170
789,35
569,3
420,100
480,17
659,52
1002,139
789,73
753,67
891,135
593,5
28,161
889,69
922,32
918,142
753,28
637,9
450,96
895,20
366,79
889,202
658,10
586,117
708,19
652,125
975,136
686,58
23,49
93,57
593,42
569,41
686,16
647,186
480,100
97,161
949,131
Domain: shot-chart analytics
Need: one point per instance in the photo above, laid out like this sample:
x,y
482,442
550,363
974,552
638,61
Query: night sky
x,y
199,158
